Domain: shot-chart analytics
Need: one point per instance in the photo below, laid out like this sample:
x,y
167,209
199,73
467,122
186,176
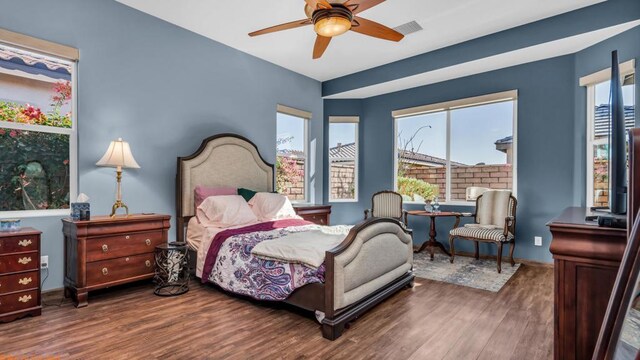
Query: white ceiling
x,y
445,22
529,54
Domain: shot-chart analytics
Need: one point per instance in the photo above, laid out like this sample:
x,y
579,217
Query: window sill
x,y
35,213
339,201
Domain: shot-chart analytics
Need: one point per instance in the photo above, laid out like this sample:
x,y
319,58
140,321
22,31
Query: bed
x,y
373,262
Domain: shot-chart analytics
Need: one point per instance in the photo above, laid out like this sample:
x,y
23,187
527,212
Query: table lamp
x,y
119,156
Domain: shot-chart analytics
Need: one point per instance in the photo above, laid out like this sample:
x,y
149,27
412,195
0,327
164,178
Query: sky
x,y
602,93
290,127
474,131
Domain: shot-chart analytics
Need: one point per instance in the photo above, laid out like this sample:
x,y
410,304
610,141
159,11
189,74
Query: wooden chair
x,y
495,222
387,204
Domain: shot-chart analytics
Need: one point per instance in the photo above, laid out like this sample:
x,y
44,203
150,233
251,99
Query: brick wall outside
x,y
600,183
462,177
342,181
294,189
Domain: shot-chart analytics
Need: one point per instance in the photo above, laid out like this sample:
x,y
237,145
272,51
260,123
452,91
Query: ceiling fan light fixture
x,y
332,22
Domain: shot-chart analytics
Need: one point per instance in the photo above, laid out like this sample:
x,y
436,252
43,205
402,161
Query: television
x,y
617,143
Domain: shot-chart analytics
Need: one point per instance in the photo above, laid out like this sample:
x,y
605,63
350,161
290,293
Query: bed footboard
x,y
373,262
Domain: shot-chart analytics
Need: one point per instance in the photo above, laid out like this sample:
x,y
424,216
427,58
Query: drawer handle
x,y
126,259
148,242
25,242
105,248
24,260
25,298
148,263
24,281
127,237
105,271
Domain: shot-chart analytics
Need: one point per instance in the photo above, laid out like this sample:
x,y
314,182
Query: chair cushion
x,y
493,207
387,204
481,233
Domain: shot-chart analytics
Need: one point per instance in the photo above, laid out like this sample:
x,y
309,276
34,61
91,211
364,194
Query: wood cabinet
x,y
105,251
586,261
318,214
19,274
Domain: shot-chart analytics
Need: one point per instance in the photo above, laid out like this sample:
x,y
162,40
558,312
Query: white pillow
x,y
269,207
224,211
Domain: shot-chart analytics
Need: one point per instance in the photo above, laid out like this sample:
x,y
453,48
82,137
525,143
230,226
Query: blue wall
x,y
551,138
161,88
545,145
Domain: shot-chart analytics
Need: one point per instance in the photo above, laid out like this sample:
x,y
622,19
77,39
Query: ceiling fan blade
x,y
372,28
315,4
358,6
287,26
321,45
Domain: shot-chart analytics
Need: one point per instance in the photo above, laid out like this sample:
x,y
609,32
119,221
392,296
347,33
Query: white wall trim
x,y
294,112
457,104
31,43
626,68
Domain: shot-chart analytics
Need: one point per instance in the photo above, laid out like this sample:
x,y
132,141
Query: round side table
x,y
172,270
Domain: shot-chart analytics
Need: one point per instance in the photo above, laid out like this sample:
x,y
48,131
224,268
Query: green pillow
x,y
246,193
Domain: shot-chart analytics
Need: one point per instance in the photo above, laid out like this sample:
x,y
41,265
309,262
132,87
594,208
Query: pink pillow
x,y
225,211
202,192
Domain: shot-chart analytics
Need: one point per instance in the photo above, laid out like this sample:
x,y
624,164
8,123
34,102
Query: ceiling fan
x,y
333,19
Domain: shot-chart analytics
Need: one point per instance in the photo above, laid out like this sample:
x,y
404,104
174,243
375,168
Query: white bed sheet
x,y
199,238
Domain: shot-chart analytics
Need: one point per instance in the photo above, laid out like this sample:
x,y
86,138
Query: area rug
x,y
465,271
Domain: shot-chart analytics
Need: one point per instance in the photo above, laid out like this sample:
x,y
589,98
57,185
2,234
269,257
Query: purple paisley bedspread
x,y
230,264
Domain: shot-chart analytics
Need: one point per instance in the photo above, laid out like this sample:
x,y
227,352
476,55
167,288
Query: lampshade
x,y
332,26
118,154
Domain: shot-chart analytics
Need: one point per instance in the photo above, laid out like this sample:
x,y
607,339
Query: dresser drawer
x,y
16,244
19,282
18,301
111,247
106,271
19,262
320,219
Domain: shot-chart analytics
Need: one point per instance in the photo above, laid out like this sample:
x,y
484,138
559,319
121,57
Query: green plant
x,y
34,166
410,187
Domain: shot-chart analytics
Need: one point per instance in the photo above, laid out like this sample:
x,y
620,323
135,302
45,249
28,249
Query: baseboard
x,y
507,259
52,295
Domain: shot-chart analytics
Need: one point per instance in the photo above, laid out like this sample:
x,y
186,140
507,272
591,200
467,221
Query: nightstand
x,y
318,214
19,274
105,251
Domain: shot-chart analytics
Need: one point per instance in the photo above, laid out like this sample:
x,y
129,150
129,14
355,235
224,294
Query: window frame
x,y
447,107
356,168
64,53
590,82
306,117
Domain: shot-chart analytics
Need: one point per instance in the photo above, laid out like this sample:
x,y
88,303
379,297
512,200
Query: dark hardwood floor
x,y
431,321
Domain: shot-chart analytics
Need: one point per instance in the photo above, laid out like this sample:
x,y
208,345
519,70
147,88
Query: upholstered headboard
x,y
225,160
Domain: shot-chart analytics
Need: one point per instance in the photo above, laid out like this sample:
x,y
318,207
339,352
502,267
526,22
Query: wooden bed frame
x,y
232,160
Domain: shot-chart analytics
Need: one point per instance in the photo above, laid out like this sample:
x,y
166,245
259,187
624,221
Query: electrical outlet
x,y
44,262
537,241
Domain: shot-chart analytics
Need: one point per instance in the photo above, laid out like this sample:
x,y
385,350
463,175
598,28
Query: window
x,y
37,130
598,120
443,150
291,160
343,158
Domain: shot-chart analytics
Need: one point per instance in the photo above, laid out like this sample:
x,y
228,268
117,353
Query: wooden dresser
x,y
319,214
19,274
104,252
586,261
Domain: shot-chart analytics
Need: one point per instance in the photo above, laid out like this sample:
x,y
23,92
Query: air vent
x,y
408,28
